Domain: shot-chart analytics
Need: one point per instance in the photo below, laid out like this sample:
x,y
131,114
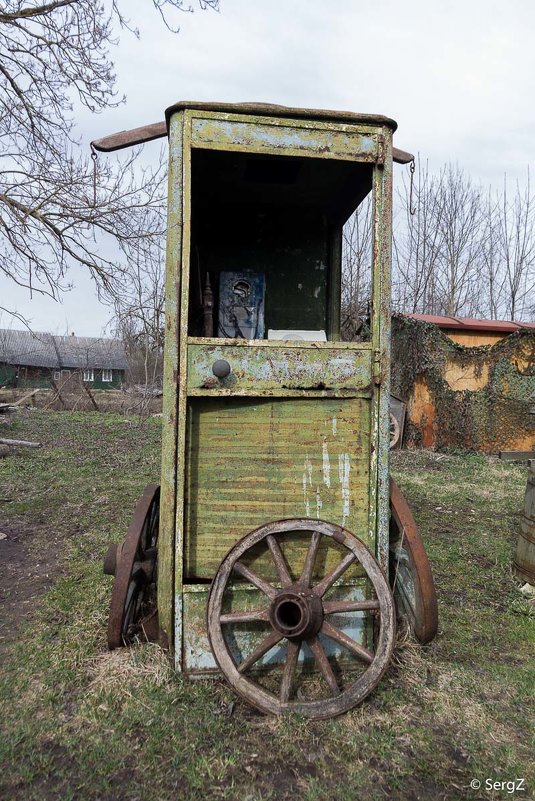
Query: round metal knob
x,y
221,368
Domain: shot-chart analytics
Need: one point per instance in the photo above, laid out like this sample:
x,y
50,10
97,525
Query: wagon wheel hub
x,y
296,613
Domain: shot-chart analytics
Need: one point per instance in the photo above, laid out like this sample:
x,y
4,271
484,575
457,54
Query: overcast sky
x,y
457,77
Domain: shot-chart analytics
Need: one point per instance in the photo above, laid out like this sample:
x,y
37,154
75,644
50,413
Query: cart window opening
x,y
265,243
357,257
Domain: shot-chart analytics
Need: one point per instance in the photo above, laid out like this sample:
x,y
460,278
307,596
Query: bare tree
x,y
139,311
55,210
437,247
417,245
493,284
461,250
457,250
460,226
357,237
516,237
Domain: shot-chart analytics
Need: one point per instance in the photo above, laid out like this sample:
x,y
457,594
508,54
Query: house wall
x,y
115,383
20,376
473,339
41,377
8,375
466,389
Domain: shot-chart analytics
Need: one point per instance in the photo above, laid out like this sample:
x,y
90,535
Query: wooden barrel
x,y
524,561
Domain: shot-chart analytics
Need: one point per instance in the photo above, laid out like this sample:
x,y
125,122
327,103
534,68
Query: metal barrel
x,y
524,561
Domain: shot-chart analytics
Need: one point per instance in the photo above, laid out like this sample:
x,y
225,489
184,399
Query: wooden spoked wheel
x,y
134,564
411,578
297,614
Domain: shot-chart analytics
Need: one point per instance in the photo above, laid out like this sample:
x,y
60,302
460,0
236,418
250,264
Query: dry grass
x,y
129,668
81,723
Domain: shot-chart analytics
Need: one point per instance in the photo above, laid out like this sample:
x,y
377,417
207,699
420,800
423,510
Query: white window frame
x,y
107,375
57,375
89,375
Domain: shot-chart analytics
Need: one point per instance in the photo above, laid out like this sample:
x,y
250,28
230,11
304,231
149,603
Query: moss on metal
x,y
485,419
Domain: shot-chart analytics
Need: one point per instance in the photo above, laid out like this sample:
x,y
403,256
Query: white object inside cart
x,y
305,336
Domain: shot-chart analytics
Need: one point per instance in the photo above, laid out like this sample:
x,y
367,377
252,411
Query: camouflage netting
x,y
492,418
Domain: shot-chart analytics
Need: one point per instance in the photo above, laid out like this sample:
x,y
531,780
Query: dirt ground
x,y
27,574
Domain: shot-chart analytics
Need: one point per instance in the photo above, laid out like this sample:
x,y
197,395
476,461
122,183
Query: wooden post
x,y
90,394
524,560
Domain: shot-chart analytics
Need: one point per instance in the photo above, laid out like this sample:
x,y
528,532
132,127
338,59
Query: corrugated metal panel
x,y
27,348
37,349
91,352
470,324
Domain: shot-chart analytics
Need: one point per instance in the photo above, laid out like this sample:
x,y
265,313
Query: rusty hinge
x,y
381,148
377,367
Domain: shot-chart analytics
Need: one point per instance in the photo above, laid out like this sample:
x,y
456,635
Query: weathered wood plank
x,y
289,139
166,542
250,461
280,368
19,442
516,456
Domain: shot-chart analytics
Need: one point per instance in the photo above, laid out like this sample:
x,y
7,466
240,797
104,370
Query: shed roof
x,y
470,324
37,349
270,109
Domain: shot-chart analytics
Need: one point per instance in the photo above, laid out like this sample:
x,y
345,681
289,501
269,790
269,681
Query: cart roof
x,y
271,110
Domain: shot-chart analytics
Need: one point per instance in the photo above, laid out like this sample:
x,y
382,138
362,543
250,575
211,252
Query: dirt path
x,y
26,573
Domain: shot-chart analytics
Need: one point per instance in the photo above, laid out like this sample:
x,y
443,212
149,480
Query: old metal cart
x,y
275,542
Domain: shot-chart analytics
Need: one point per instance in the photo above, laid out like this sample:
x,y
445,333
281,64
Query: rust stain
x,y
422,413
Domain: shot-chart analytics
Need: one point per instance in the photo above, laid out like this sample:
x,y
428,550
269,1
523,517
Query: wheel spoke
x,y
308,567
245,617
321,588
130,604
342,638
255,579
323,663
292,655
331,607
280,561
265,646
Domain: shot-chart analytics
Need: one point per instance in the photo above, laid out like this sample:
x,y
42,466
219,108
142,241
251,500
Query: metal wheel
x,y
410,572
297,617
134,565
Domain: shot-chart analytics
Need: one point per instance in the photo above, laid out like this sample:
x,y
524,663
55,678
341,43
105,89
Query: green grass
x,y
80,723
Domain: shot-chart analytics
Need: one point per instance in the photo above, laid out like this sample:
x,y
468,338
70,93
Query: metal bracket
x,y
380,150
377,367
